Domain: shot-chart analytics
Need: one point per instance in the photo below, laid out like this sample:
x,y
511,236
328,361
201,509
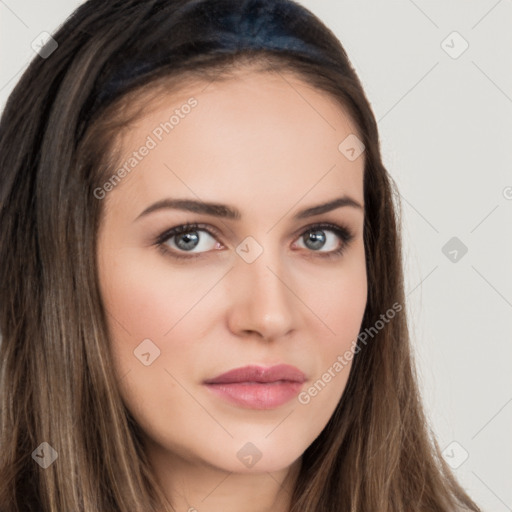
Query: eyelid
x,y
322,225
185,228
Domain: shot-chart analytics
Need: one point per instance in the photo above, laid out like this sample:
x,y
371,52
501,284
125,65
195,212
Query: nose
x,y
262,300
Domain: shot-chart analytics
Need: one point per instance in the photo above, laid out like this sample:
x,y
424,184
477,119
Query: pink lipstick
x,y
257,387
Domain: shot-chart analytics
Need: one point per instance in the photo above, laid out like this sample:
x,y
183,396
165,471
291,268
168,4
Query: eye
x,y
191,240
316,238
187,238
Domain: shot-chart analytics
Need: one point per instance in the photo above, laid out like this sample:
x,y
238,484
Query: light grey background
x,y
446,128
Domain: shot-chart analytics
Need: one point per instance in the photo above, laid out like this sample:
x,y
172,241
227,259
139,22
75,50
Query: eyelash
x,y
342,231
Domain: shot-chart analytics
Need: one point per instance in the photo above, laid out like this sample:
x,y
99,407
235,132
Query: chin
x,y
254,458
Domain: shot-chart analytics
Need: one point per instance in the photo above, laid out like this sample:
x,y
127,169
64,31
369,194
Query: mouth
x,y
256,387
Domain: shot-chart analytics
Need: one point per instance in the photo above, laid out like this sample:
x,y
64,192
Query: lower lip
x,y
257,395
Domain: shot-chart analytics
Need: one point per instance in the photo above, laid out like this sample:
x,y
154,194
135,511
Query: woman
x,y
202,300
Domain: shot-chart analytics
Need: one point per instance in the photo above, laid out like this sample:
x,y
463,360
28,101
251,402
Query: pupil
x,y
317,238
191,242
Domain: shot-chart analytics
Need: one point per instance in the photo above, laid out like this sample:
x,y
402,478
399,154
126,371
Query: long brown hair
x,y
57,146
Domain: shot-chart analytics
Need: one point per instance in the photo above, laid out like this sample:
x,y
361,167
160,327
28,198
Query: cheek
x,y
170,308
143,305
340,298
342,313
340,302
341,305
144,302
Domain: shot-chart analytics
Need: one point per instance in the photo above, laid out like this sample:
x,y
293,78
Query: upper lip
x,y
263,374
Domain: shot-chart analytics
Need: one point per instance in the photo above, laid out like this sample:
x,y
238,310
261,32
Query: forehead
x,y
257,134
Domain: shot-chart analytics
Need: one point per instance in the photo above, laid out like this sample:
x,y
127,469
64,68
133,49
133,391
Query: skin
x,y
267,144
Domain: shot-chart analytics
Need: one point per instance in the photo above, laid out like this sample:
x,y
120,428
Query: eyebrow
x,y
228,212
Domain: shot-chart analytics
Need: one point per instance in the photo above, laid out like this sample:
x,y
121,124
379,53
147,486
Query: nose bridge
x,y
263,302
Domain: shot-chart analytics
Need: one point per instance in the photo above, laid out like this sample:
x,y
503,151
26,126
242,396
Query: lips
x,y
281,372
256,387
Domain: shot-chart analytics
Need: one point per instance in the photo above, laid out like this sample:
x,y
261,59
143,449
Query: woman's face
x,y
263,287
